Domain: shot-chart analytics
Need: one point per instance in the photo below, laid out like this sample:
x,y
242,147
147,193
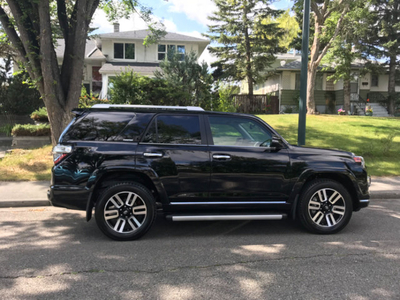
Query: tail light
x,y
60,152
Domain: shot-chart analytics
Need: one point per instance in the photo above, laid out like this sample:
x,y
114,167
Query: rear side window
x,y
174,129
96,126
134,130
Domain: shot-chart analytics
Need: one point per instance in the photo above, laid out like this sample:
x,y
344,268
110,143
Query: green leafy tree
x,y
189,77
127,88
226,100
383,41
32,26
246,44
347,47
290,28
328,18
131,88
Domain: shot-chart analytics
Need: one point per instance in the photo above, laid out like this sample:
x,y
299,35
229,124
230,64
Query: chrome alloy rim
x,y
125,212
326,207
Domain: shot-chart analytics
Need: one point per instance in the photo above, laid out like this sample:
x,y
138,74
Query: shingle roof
x,y
91,49
141,68
141,34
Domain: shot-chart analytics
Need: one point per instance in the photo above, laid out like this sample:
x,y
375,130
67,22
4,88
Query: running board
x,y
178,218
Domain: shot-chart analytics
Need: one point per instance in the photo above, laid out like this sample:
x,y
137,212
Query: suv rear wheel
x,y
325,207
125,211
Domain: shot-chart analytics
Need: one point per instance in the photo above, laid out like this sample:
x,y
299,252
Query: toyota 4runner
x,y
129,162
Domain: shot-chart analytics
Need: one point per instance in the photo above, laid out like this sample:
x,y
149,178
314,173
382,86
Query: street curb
x,y
23,203
385,195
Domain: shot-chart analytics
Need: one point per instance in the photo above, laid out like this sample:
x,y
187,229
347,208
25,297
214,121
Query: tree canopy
x,y
32,26
245,43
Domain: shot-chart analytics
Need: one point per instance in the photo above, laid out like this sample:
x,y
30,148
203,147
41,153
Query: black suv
x,y
128,162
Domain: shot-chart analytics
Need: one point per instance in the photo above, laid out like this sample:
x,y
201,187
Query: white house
x,y
113,53
328,94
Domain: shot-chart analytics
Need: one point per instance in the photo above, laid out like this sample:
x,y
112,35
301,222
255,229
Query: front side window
x,y
170,129
232,131
124,50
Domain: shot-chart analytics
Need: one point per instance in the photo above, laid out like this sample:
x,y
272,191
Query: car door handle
x,y
221,156
150,154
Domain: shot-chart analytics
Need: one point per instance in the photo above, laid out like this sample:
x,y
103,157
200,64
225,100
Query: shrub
x,y
88,100
31,130
40,115
18,97
6,129
226,101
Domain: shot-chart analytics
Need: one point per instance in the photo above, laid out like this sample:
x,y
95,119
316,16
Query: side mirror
x,y
276,143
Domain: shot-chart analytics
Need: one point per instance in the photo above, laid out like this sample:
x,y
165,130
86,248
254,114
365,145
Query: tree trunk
x,y
346,98
392,85
249,73
312,67
311,74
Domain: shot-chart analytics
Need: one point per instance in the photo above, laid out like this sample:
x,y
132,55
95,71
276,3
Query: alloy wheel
x,y
125,212
326,207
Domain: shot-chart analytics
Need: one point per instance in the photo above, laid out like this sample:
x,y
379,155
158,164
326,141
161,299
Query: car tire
x,y
125,211
325,207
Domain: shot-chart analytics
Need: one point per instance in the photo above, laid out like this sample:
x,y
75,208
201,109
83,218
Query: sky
x,y
187,17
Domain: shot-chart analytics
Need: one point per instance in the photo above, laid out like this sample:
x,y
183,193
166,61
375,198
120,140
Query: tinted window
x,y
135,128
169,129
99,126
118,50
232,131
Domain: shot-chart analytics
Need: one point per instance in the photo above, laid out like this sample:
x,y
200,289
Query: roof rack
x,y
162,107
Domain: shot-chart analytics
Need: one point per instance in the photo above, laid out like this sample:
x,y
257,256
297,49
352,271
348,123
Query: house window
x,y
318,82
162,51
124,50
374,80
168,50
297,82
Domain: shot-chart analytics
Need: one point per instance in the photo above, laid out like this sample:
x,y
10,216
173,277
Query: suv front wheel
x,y
125,211
325,207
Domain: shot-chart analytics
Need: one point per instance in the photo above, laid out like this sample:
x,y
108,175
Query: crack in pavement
x,y
197,267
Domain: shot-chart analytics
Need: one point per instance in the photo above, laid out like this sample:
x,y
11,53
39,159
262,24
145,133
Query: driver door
x,y
243,167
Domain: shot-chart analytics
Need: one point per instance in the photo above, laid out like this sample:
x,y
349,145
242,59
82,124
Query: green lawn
x,y
27,165
377,139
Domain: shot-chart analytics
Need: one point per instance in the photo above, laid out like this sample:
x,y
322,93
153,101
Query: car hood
x,y
320,151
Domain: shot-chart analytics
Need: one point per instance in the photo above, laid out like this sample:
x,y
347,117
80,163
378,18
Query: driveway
x,y
51,253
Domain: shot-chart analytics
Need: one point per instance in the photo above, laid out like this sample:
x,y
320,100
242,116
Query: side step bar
x,y
178,218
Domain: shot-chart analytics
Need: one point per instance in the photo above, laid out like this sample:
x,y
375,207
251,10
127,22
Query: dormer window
x,y
124,51
165,50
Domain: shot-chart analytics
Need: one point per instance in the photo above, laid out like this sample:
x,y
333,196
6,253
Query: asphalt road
x,y
50,253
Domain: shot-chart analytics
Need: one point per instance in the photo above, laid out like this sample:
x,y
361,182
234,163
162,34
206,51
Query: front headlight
x,y
360,160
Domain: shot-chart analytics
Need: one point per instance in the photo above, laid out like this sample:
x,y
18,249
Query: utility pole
x,y
301,135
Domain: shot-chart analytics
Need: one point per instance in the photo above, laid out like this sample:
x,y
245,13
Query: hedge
x,y
31,130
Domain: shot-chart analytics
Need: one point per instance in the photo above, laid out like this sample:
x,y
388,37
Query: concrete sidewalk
x,y
34,193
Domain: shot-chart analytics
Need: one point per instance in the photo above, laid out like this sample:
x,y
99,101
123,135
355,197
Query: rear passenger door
x,y
175,147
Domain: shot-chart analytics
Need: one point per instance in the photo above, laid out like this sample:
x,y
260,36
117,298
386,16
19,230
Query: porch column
x,y
104,87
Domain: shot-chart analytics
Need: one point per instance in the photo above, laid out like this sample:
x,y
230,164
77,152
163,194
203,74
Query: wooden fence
x,y
257,104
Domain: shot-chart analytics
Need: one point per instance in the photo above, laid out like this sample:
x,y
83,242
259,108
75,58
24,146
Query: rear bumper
x,y
71,197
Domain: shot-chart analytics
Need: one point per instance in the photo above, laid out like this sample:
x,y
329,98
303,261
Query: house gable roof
x,y
141,35
91,49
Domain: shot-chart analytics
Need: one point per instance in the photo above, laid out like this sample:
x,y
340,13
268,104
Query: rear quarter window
x,y
105,126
